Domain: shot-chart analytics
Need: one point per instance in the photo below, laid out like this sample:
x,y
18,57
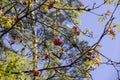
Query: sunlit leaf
x,y
108,1
112,36
77,21
98,60
81,34
97,48
101,19
118,27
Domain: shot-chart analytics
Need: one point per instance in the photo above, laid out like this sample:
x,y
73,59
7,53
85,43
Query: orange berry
x,y
89,53
97,62
77,32
112,31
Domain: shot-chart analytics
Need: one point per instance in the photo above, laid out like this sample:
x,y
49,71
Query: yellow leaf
x,y
99,58
101,19
97,48
1,13
81,34
77,21
118,28
46,10
86,74
112,36
108,1
75,38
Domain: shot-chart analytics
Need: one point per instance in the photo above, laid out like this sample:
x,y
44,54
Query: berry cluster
x,y
76,30
57,41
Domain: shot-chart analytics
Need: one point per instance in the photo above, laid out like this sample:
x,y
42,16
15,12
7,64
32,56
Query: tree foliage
x,y
41,39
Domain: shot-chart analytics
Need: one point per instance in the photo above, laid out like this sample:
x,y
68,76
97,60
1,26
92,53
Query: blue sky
x,y
110,48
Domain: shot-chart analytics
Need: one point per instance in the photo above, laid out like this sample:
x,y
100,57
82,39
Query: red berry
x,y
57,41
62,49
50,5
89,53
112,31
58,25
47,57
15,19
77,31
21,39
74,28
12,42
81,4
36,72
